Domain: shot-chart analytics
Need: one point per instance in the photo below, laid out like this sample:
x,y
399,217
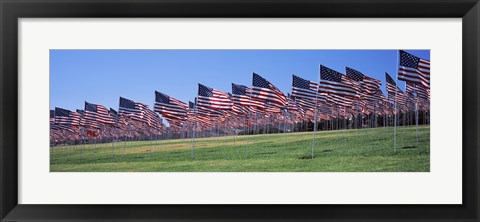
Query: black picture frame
x,y
11,11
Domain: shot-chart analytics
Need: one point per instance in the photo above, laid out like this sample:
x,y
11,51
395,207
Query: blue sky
x,y
102,76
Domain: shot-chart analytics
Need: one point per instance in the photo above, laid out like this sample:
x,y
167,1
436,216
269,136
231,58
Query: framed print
x,y
224,110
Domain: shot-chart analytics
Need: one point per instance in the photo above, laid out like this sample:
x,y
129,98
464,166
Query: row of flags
x,y
335,95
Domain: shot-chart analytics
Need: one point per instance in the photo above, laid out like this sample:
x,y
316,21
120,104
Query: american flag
x,y
338,100
410,90
272,108
114,115
420,91
68,128
213,98
147,115
207,112
191,109
393,90
193,113
241,95
369,85
82,116
305,104
414,69
304,89
88,124
129,109
97,113
333,82
52,116
377,100
381,97
237,108
265,91
66,117
391,87
152,118
170,108
326,111
53,125
293,106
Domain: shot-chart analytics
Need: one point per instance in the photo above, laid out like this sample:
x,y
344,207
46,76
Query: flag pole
x,y
345,128
125,144
284,131
235,122
395,113
338,122
375,111
83,146
315,115
247,121
193,134
113,147
416,112
225,134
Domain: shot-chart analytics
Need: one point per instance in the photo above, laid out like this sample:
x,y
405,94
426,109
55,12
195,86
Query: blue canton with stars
x,y
330,74
126,103
354,74
90,107
239,89
390,80
408,60
62,112
205,91
259,81
162,98
300,83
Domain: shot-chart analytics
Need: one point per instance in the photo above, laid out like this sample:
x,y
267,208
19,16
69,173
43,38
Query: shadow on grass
x,y
408,147
266,153
305,157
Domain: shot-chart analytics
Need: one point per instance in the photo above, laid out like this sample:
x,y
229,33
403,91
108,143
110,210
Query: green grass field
x,y
363,150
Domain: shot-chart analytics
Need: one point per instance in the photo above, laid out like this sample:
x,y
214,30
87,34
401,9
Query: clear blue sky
x,y
102,76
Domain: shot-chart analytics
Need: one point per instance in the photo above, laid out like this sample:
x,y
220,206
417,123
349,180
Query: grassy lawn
x,y
363,150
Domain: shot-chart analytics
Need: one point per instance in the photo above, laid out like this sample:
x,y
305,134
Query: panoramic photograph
x,y
239,110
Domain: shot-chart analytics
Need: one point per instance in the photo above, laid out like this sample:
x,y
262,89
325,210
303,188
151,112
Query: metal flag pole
x,y
124,144
225,131
284,131
113,148
338,122
371,121
278,122
247,122
416,112
384,120
193,134
224,135
315,115
235,124
265,121
150,143
356,117
94,143
255,125
345,128
395,112
83,146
